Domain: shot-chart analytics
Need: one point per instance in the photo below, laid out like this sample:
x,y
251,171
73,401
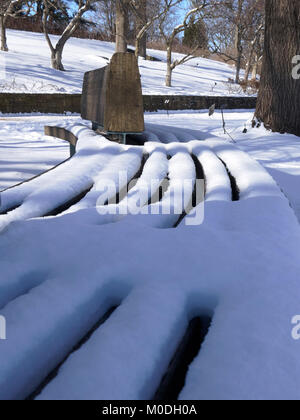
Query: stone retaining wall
x,y
62,103
154,103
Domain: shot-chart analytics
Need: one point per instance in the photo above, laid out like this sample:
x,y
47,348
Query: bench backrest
x,y
112,96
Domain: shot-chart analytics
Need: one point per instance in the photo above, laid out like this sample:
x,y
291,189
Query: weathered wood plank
x,y
124,111
112,96
93,96
62,133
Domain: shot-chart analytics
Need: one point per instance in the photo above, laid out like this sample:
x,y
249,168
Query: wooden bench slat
x,y
63,134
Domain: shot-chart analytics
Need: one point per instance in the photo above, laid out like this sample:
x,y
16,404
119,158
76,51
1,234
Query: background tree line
x,y
248,33
229,30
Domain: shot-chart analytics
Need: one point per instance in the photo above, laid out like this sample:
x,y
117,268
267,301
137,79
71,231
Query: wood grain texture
x,y
124,110
112,96
93,95
61,133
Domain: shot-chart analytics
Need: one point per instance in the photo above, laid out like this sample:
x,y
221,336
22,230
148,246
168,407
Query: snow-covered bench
x,y
111,99
144,340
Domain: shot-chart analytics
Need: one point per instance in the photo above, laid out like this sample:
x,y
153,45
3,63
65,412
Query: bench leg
x,y
122,138
95,126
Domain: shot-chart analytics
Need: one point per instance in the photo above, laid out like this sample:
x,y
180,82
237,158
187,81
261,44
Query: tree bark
x,y
169,67
247,71
254,69
239,51
250,61
4,46
56,59
278,103
238,40
141,21
121,25
143,47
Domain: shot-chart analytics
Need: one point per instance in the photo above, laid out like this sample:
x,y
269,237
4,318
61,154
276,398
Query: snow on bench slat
x,y
117,173
181,135
249,352
15,196
163,133
117,258
154,172
68,306
168,134
149,337
57,187
252,179
151,137
182,176
33,340
218,186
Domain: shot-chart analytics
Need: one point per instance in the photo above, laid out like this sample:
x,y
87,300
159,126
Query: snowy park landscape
x,y
101,282
26,69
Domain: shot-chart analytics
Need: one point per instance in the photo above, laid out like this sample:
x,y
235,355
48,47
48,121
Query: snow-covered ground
x,y
25,152
26,68
240,266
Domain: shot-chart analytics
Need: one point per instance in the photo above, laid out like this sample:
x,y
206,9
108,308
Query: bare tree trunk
x,y
239,50
278,101
121,25
143,47
4,46
247,71
169,67
57,51
56,59
254,69
141,21
238,41
249,63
